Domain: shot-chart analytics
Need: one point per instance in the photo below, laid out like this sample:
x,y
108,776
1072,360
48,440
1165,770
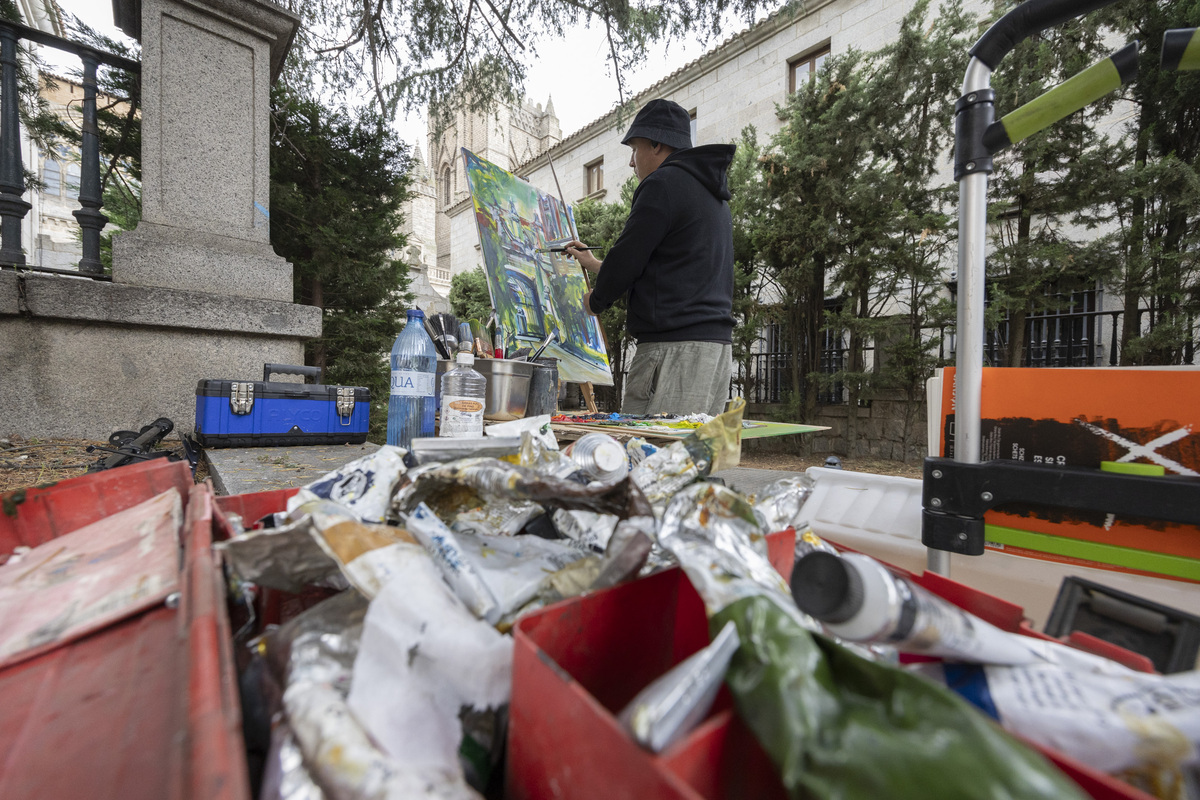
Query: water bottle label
x,y
461,416
410,383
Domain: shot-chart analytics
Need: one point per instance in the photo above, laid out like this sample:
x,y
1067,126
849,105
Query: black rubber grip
x,y
1025,20
1126,62
1175,43
291,369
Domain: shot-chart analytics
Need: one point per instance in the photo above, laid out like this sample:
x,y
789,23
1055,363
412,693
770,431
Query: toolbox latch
x,y
241,397
345,402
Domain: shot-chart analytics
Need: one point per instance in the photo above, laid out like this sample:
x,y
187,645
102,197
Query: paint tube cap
x,y
827,587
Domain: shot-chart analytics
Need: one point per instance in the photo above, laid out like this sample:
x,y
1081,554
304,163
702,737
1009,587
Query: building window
x,y
73,179
446,186
595,176
692,116
52,177
803,68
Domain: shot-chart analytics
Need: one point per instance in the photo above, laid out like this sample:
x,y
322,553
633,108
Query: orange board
x,y
1080,418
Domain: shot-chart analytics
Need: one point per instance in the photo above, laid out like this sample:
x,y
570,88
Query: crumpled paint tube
x,y
440,542
284,774
488,479
589,529
287,558
1143,727
715,445
497,518
364,486
367,554
514,568
721,545
678,701
781,502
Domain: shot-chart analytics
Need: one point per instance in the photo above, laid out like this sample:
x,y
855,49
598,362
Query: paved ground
x,y
238,470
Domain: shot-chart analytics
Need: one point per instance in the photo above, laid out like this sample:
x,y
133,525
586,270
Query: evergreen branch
x,y
612,48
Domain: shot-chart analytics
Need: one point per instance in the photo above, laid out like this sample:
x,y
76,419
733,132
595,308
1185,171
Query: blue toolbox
x,y
275,414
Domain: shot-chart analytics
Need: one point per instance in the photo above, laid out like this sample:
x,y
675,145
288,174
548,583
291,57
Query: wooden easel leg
x,y
589,396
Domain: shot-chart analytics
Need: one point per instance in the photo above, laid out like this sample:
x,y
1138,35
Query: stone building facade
x,y
738,83
509,136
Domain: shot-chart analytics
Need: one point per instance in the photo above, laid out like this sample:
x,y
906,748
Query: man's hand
x,y
584,257
587,303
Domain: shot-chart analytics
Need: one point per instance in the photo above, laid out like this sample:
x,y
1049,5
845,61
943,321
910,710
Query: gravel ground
x,y
37,462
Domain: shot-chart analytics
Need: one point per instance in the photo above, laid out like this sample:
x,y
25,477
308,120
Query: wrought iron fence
x,y
1080,339
13,207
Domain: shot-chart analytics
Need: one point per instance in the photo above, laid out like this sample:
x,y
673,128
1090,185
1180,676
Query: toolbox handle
x,y
291,369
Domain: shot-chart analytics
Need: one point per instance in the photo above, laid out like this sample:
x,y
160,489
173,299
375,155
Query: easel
x,y
586,388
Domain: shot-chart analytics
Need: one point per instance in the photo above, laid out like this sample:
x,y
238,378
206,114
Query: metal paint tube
x,y
364,486
781,502
860,600
677,702
721,545
441,544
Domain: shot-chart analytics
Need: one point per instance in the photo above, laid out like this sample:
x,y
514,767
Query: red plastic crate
x,y
577,663
145,708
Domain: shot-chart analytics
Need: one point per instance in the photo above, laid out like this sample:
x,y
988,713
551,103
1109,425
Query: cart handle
x,y
1024,21
1181,49
1065,99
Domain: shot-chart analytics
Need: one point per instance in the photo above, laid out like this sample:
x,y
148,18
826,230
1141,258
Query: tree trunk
x,y
316,293
1018,317
1135,279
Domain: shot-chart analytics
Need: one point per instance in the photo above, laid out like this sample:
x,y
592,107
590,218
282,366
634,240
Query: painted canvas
x,y
534,292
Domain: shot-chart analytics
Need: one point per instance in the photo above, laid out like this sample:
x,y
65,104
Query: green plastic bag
x,y
840,727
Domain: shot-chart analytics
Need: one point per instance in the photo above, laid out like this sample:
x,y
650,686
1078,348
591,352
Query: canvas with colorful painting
x,y
534,292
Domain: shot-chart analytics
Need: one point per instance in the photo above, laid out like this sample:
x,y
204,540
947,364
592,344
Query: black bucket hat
x,y
662,121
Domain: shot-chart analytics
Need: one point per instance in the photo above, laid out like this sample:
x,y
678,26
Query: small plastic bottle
x,y
464,398
411,404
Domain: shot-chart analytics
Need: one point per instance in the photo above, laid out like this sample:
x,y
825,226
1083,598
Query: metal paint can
x,y
543,388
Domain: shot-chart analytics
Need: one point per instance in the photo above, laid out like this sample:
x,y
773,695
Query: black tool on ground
x,y
129,447
1170,638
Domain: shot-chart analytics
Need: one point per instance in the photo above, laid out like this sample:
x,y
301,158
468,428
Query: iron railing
x,y
13,207
1079,339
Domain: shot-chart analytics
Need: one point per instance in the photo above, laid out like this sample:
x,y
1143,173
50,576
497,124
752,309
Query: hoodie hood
x,y
708,163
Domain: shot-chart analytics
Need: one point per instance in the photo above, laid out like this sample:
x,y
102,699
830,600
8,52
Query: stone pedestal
x,y
207,68
197,291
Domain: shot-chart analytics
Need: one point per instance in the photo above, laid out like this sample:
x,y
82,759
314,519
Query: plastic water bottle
x,y
464,397
411,405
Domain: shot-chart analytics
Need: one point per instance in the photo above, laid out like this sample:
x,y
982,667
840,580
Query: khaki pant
x,y
678,378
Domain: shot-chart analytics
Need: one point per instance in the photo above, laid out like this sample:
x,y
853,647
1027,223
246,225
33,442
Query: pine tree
x,y
337,185
1154,184
469,296
850,209
1043,193
750,281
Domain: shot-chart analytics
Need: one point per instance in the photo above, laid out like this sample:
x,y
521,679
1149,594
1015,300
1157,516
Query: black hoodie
x,y
675,256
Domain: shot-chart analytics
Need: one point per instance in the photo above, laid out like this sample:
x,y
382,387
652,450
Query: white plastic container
x,y
464,397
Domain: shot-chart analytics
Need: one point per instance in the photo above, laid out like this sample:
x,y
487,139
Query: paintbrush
x,y
563,249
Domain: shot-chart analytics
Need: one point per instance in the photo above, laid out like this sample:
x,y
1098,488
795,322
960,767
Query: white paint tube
x,y
860,600
443,547
1144,726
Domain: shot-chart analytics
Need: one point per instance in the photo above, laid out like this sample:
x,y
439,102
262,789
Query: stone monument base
x,y
82,358
164,256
